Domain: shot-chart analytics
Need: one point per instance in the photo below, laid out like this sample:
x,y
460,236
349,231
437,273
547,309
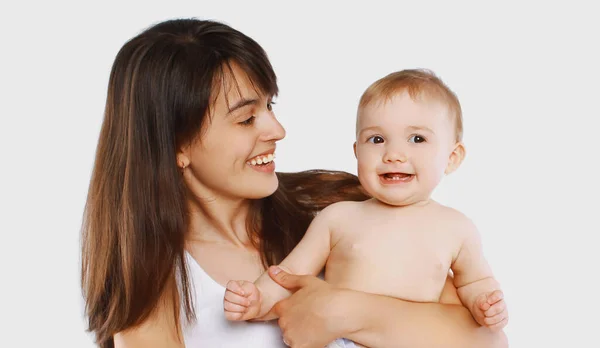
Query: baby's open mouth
x,y
396,176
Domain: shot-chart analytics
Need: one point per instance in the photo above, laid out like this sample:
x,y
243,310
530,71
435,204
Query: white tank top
x,y
212,329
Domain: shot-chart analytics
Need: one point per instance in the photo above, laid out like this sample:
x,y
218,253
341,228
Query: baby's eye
x,y
416,139
376,139
270,105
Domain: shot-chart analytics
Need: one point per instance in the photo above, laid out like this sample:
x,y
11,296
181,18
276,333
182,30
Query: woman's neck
x,y
219,220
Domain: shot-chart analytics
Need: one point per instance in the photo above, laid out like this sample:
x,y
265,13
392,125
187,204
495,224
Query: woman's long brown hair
x,y
135,217
286,214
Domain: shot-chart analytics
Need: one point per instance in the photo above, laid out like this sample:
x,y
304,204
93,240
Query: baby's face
x,y
403,148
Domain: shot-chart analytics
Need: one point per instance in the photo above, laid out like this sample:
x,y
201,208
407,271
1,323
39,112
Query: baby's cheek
x,y
441,163
435,173
366,164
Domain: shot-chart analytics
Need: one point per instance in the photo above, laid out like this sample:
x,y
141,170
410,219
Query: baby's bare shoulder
x,y
342,215
455,220
342,208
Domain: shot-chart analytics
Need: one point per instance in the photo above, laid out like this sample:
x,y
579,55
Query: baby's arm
x,y
245,300
473,278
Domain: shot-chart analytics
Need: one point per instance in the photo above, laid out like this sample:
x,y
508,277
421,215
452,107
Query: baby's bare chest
x,y
408,259
406,247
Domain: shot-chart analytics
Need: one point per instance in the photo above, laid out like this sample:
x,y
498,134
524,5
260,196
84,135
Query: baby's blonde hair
x,y
418,83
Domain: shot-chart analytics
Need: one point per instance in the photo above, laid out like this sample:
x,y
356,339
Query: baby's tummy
x,y
411,281
211,329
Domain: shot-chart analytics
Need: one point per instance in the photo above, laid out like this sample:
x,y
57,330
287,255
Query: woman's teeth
x,y
263,159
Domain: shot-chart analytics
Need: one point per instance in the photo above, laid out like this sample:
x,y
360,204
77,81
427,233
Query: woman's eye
x,y
416,139
248,121
375,139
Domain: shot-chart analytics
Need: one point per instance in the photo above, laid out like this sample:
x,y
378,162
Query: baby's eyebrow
x,y
372,128
421,128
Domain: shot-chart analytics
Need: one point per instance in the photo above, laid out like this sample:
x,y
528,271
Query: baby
x,y
408,136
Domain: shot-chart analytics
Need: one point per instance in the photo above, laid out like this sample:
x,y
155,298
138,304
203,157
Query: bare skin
x,y
401,229
218,241
376,321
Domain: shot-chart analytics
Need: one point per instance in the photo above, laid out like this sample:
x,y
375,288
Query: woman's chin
x,y
263,188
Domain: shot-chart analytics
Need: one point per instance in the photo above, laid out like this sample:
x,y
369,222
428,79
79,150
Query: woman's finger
x,y
287,280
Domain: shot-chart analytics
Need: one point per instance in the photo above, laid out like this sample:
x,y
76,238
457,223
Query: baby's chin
x,y
397,201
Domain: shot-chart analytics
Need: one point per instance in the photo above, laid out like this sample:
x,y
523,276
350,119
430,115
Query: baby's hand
x,y
490,310
242,300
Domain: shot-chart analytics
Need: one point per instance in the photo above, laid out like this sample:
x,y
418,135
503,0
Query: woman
x,y
184,197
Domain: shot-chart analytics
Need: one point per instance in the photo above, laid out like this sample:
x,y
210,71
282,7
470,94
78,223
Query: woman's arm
x,y
379,321
373,320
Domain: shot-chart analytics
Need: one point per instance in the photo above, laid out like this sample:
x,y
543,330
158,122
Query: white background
x,y
527,76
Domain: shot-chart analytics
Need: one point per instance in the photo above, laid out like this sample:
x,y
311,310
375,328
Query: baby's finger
x,y
489,321
495,296
233,315
499,326
232,307
247,287
482,303
233,286
235,298
496,309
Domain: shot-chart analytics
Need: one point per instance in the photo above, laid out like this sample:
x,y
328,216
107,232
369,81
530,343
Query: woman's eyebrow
x,y
242,103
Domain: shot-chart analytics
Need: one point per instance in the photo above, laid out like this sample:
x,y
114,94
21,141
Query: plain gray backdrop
x,y
526,74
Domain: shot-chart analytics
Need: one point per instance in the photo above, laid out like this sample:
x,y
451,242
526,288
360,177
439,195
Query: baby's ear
x,y
354,146
456,157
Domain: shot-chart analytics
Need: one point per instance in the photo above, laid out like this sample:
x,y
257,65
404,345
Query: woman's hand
x,y
308,318
318,313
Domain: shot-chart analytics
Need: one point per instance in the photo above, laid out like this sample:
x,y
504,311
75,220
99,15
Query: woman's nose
x,y
273,130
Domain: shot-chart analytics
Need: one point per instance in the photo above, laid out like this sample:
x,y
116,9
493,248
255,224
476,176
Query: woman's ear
x,y
183,158
456,157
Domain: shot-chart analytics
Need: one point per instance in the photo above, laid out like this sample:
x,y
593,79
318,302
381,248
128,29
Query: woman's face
x,y
233,155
